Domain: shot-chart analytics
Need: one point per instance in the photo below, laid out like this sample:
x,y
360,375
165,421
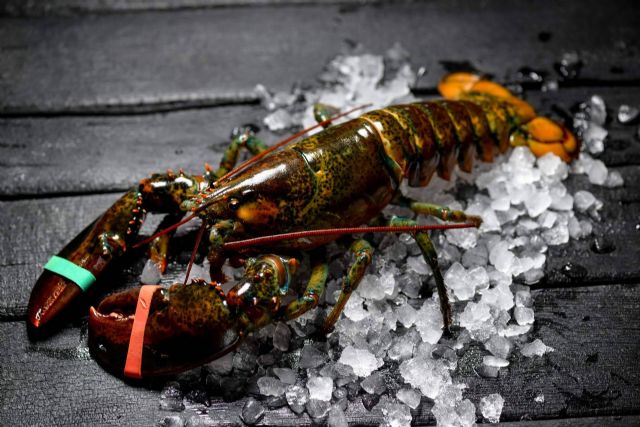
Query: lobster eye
x,y
234,204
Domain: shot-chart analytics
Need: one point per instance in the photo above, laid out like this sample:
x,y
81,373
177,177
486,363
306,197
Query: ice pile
x,y
349,81
387,350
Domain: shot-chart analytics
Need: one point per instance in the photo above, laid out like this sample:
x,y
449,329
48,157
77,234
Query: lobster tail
x,y
523,125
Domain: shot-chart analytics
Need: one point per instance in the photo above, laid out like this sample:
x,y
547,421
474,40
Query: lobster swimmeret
x,y
341,177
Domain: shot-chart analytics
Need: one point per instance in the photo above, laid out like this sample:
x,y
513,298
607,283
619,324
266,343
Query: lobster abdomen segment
x,y
426,137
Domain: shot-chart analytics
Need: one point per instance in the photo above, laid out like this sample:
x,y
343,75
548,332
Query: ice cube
x,y
320,388
537,202
281,336
417,264
426,374
396,415
310,357
521,158
523,315
583,200
369,288
354,309
337,418
478,256
280,119
614,179
593,138
171,421
457,279
557,235
171,397
362,361
552,166
491,407
627,114
501,257
597,173
479,278
547,219
495,362
286,375
465,238
318,409
499,346
535,348
402,346
374,384
252,411
151,274
410,284
429,322
409,397
222,365
406,315
297,397
271,386
475,314
569,65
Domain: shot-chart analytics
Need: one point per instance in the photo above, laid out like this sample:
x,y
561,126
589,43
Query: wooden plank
x,y
64,7
630,420
100,154
591,373
127,62
110,153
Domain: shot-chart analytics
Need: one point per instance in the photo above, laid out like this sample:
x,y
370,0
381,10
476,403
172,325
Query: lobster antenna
x,y
194,251
340,232
163,232
287,140
243,166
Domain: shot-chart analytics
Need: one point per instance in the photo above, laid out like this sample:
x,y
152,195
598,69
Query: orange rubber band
x,y
133,365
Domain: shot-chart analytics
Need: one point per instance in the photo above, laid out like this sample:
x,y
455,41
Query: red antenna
x,y
341,231
195,251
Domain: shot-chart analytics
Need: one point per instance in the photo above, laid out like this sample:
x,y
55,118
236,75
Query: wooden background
x,y
95,95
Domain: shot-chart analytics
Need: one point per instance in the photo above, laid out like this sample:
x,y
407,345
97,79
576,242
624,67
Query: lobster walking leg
x,y
442,212
311,296
363,253
431,257
240,138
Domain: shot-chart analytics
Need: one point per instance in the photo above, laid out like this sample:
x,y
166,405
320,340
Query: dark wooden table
x,y
95,95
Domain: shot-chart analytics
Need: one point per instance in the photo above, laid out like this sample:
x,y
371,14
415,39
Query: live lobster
x,y
337,179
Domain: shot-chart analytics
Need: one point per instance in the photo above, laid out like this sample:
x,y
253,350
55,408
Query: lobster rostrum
x,y
309,193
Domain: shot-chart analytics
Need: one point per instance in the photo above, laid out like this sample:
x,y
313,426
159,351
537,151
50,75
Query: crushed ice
x,y
391,328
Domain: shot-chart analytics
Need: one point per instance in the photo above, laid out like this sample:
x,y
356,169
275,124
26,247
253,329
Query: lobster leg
x,y
312,293
243,137
442,212
431,257
363,253
104,240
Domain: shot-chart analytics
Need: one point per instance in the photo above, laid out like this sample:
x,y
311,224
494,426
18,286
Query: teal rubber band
x,y
65,268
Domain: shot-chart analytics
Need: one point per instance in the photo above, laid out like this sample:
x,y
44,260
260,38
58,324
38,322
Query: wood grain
x,y
591,373
193,58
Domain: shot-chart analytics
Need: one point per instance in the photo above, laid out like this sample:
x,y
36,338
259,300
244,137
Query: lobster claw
x,y
187,325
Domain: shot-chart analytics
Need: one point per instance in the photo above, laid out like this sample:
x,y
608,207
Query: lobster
x,y
295,199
